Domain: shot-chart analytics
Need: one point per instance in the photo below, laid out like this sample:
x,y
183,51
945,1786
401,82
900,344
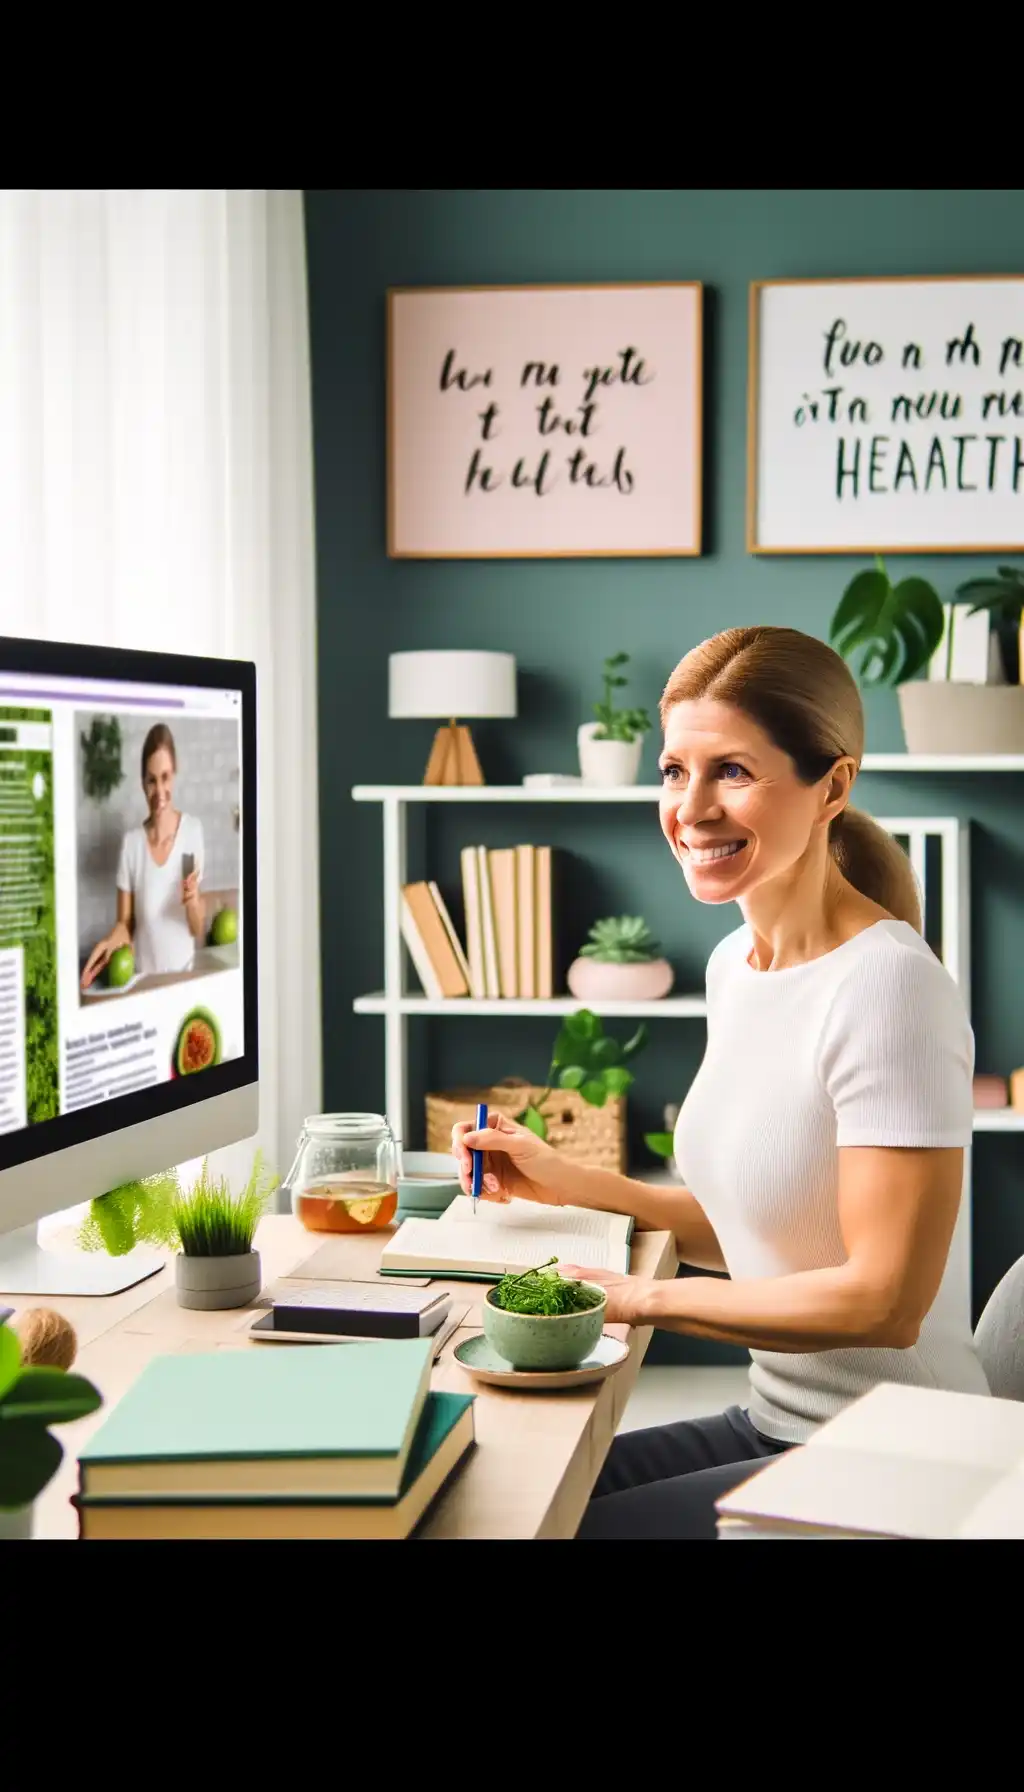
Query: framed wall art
x,y
886,415
530,421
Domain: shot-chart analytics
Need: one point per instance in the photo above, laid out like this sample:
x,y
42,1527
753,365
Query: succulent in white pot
x,y
610,748
621,961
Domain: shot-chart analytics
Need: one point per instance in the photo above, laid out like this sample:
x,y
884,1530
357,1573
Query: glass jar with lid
x,y
345,1174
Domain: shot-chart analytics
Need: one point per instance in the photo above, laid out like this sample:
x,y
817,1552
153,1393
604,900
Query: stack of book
x,y
508,949
300,1442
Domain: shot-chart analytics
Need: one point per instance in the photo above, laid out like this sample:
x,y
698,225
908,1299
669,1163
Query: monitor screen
x,y
127,890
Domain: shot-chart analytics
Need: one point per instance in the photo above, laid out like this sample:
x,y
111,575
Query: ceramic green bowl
x,y
543,1340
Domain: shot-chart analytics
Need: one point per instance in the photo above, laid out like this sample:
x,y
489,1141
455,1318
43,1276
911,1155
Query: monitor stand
x,y
27,1267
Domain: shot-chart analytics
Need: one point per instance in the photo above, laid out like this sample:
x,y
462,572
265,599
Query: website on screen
x,y
120,890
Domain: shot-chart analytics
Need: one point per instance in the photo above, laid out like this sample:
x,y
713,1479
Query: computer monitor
x,y
128,941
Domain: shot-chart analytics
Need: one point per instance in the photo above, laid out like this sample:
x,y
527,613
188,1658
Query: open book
x,y
497,1238
900,1462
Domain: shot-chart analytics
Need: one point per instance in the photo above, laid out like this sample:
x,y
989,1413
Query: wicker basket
x,y
584,1134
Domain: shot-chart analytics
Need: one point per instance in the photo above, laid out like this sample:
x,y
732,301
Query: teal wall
x,y
561,617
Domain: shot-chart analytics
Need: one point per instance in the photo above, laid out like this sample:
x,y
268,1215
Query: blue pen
x,y
478,1156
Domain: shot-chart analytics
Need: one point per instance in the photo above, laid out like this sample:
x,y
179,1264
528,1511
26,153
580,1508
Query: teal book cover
x,y
303,1401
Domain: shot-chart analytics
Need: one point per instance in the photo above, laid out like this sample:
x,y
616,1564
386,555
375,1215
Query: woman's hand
x,y
97,961
190,889
516,1163
624,1292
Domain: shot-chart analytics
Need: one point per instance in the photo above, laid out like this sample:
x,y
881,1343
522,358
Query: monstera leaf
x,y
887,632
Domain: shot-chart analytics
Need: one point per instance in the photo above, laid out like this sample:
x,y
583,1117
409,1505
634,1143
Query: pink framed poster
x,y
528,421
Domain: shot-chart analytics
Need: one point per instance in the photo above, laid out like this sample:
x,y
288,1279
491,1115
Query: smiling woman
x,y
822,1140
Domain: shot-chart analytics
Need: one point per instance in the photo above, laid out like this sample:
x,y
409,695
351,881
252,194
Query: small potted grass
x,y
217,1265
540,1319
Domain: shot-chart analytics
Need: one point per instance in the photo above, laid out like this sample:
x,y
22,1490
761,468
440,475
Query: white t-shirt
x,y
869,1044
162,941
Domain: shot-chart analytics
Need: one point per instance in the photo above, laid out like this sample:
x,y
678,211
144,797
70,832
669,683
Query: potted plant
x,y
31,1400
1002,595
217,1265
621,961
888,633
587,1060
610,747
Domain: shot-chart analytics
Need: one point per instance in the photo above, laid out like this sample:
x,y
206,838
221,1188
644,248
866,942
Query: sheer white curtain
x,y
156,491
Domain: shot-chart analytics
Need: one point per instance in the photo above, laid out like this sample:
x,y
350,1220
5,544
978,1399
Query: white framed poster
x,y
886,415
530,421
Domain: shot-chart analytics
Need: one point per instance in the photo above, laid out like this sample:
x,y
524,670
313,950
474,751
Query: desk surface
x,y
538,1454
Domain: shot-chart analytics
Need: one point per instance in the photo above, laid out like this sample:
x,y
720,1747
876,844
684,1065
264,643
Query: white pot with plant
x,y
610,748
620,962
889,633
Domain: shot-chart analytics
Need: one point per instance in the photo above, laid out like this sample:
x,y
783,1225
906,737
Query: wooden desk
x,y
537,1455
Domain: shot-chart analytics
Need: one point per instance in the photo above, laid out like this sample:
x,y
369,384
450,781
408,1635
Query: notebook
x,y
900,1462
444,1438
358,1310
497,1238
303,1422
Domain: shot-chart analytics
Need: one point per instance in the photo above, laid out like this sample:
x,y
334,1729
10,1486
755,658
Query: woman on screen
x,y
160,911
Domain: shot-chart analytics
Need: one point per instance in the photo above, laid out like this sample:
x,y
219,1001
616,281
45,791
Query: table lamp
x,y
439,683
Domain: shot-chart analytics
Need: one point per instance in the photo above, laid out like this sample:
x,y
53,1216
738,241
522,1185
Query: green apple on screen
x,y
224,931
121,968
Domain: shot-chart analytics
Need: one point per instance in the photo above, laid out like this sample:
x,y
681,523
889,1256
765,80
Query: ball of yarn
x,y
47,1339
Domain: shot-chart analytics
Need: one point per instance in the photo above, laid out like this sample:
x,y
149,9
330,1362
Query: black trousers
x,y
663,1482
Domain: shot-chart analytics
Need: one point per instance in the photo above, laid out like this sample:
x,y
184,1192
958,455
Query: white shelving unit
x,y
397,1004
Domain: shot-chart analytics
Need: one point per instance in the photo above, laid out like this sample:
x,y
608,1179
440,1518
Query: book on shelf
x,y
900,1463
488,926
501,862
508,952
429,939
443,1440
543,925
298,1423
469,862
499,1239
526,921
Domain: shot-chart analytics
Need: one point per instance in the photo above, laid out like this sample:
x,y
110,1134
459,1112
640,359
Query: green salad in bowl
x,y
540,1319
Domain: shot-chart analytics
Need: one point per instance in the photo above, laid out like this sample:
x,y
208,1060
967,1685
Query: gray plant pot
x,y
212,1283
941,716
16,1524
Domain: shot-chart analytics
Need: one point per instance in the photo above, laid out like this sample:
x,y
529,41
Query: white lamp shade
x,y
451,685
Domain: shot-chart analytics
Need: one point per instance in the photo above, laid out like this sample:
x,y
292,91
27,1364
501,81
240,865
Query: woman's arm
x,y
655,1209
897,1211
119,935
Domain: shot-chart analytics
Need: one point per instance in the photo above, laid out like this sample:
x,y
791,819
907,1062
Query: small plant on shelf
x,y
1002,594
610,747
615,723
621,961
621,939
